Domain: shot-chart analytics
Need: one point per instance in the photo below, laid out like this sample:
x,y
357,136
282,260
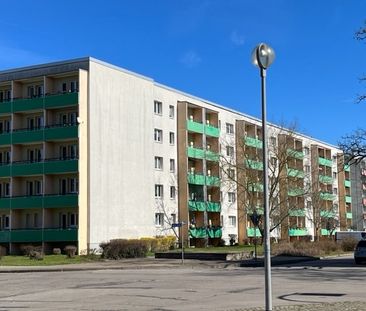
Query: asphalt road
x,y
336,280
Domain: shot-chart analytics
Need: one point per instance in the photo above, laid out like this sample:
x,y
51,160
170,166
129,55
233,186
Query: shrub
x,y
56,251
160,243
122,248
348,244
27,249
70,251
304,248
35,255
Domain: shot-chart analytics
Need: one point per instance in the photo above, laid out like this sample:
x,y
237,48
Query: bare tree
x,y
361,35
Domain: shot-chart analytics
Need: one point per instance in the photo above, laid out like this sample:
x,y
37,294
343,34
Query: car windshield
x,y
361,244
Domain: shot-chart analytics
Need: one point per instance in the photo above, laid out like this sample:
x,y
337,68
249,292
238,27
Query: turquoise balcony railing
x,y
196,206
250,232
295,153
255,165
298,232
327,196
214,207
196,179
214,232
326,162
295,192
325,179
253,142
347,183
212,131
295,173
195,127
349,215
195,153
348,199
198,233
212,156
297,212
327,214
213,181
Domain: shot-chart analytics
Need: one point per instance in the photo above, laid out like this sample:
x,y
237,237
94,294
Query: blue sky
x,y
203,48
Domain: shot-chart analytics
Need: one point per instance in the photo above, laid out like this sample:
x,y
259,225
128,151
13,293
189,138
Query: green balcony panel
x,y
64,132
347,183
5,203
348,199
298,232
212,131
61,166
27,136
4,236
295,173
28,104
5,107
326,232
55,201
253,142
60,235
255,165
326,162
295,192
198,233
213,181
195,127
214,233
250,232
347,168
196,179
24,169
195,153
255,187
325,179
26,235
27,202
297,212
5,139
327,196
295,154
5,170
213,207
327,214
196,206
212,156
349,215
61,100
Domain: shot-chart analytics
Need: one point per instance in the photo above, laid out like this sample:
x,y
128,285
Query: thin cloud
x,y
190,59
237,38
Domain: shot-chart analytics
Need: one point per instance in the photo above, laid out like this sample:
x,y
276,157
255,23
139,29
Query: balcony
x,y
251,232
347,168
326,232
5,236
212,131
325,179
39,235
325,162
56,235
298,232
5,138
327,214
214,232
297,212
196,179
47,201
255,165
195,153
255,187
198,233
347,183
295,153
349,215
253,142
5,107
348,199
327,196
27,135
213,181
26,104
214,207
295,173
196,206
212,156
61,100
60,132
196,127
295,192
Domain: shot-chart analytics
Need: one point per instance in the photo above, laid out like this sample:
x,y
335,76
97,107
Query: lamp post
x,y
263,56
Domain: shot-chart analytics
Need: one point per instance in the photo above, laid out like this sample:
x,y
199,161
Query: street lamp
x,y
263,56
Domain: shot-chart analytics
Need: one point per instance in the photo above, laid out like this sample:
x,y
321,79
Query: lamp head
x,y
263,56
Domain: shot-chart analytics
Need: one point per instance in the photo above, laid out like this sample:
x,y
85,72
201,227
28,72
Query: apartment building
x,y
91,152
358,195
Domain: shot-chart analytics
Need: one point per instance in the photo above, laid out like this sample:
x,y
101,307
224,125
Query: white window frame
x,y
158,108
230,151
229,128
159,219
159,163
232,221
171,112
173,193
172,165
231,198
159,191
158,135
172,138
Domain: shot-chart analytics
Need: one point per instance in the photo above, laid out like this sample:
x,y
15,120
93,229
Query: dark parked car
x,y
360,252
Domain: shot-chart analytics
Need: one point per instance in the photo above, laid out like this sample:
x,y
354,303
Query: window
x,y
306,150
334,175
158,107
231,173
335,191
173,218
64,87
36,220
159,219
229,151
273,141
38,187
74,220
172,165
7,222
172,192
229,128
158,135
232,221
231,197
74,86
171,138
274,161
73,185
158,163
171,111
158,191
307,168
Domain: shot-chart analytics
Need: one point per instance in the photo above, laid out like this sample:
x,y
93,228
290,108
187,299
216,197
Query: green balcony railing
x,y
60,132
348,199
327,214
295,153
195,126
198,233
255,165
213,181
347,168
214,232
5,107
47,201
327,196
255,187
195,153
61,100
326,162
27,135
5,170
196,179
325,179
295,173
297,212
326,232
5,236
250,232
295,192
39,235
5,138
196,206
26,235
212,156
212,131
347,183
59,235
349,215
253,142
26,104
214,207
298,232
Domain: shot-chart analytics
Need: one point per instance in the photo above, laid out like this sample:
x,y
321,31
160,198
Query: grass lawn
x,y
48,260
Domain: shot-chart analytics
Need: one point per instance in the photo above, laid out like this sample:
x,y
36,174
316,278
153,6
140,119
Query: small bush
x,y
160,243
70,251
35,255
122,248
303,248
27,249
348,244
56,251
